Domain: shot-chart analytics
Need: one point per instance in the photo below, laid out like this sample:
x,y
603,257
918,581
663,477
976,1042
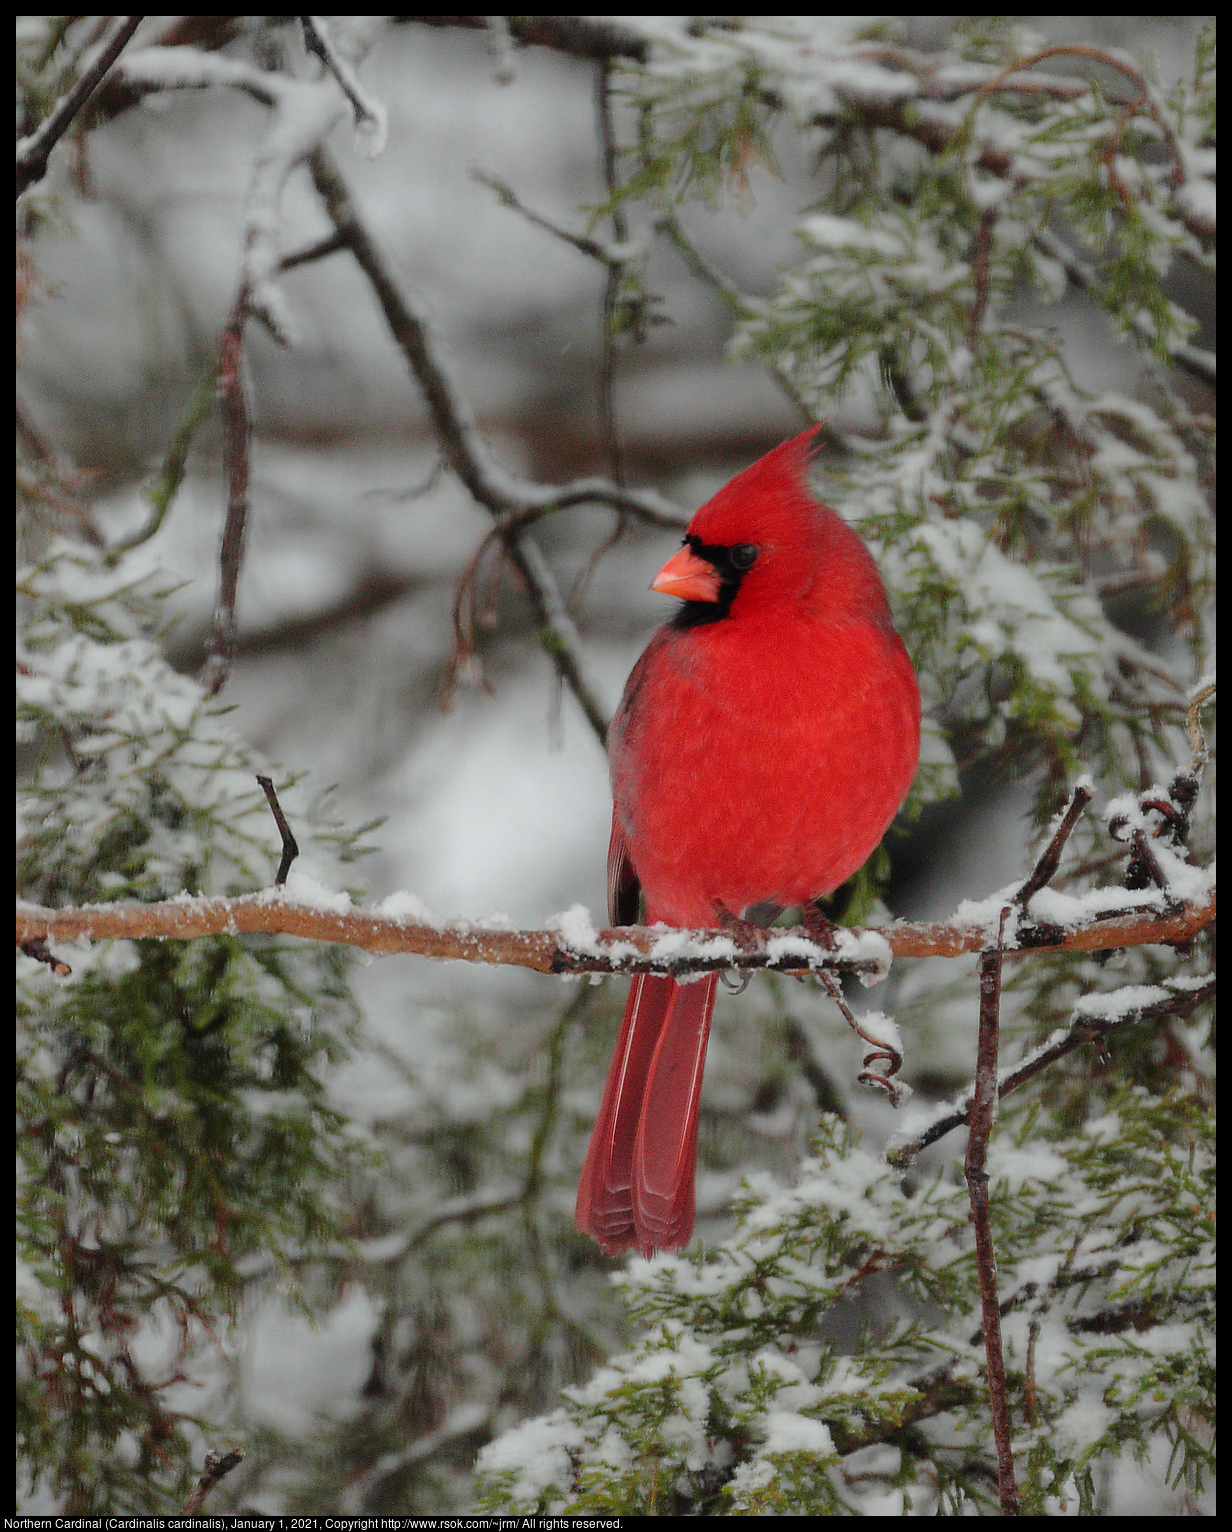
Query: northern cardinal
x,y
765,741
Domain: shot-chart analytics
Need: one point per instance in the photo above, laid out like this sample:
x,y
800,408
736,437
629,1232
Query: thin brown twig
x,y
594,248
290,847
983,1111
328,244
34,153
1050,859
1083,1031
237,429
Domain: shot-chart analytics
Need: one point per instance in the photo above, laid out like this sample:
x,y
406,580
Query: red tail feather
x,y
637,1183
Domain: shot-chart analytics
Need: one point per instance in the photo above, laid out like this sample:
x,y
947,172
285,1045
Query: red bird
x,y
765,741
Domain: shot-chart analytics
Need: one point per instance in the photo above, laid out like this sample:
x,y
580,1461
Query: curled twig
x,y
881,1050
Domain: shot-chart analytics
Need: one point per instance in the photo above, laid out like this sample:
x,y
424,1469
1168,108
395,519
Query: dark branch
x,y
585,37
983,1111
35,151
1045,869
290,847
237,428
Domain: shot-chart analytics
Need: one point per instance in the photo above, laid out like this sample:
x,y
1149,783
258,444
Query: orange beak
x,y
688,577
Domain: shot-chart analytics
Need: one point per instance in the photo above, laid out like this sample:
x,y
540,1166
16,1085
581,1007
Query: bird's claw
x,y
819,926
744,933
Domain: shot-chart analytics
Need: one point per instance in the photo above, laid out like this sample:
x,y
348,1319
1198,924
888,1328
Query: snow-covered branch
x,y
571,945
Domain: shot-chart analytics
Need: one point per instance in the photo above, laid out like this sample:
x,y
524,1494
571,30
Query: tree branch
x,y
500,494
587,37
622,949
1085,1027
34,152
233,391
982,1114
217,1466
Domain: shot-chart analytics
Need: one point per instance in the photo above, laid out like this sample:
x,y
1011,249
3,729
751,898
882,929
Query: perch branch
x,y
623,949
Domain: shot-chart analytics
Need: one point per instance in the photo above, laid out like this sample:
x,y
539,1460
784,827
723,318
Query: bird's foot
x,y
819,925
747,936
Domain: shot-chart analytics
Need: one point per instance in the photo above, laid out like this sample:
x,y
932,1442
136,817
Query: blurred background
x,y
497,802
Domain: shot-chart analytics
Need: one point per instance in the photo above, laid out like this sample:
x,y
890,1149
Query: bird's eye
x,y
744,555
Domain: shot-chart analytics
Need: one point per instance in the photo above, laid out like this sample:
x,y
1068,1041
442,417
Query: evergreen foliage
x,y
172,1123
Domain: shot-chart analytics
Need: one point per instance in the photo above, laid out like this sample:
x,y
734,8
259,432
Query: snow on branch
x,y
33,152
571,946
1094,1018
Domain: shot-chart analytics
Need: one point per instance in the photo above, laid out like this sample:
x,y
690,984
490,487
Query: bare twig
x,y
216,1467
1045,868
371,118
594,248
460,444
881,1051
623,949
983,1111
1083,1030
33,152
327,245
237,427
290,847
